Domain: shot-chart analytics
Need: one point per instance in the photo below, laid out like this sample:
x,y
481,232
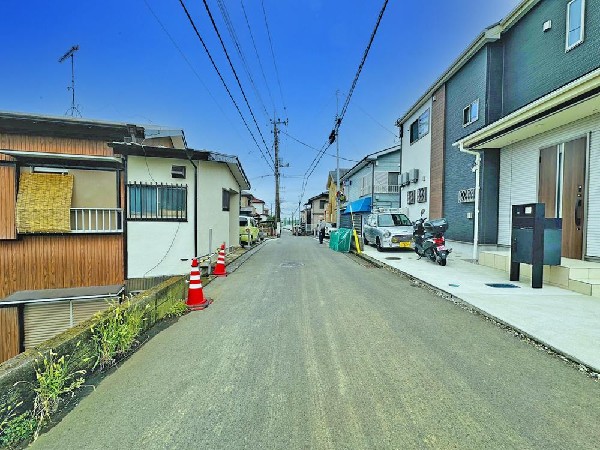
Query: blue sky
x,y
129,70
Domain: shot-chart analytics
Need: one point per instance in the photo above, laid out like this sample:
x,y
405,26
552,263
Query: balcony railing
x,y
96,220
387,189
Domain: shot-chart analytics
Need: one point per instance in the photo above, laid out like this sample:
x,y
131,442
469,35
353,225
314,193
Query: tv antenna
x,y
73,111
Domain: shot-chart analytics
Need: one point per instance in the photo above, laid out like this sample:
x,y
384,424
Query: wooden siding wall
x,y
60,261
9,335
8,200
436,175
49,144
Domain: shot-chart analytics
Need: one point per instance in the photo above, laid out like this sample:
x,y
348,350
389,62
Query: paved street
x,y
305,348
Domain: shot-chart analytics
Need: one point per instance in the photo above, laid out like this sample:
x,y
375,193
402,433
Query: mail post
x,y
535,240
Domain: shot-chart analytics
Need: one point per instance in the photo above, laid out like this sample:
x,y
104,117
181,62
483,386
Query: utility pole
x,y
337,162
277,163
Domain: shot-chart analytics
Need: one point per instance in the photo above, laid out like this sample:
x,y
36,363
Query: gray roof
x,y
333,174
52,295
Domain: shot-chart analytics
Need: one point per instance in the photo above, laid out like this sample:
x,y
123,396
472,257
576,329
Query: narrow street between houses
x,y
307,348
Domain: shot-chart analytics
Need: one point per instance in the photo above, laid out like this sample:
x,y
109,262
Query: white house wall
x,y
519,165
213,177
155,248
417,156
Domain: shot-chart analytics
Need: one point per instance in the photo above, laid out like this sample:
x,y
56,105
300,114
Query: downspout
x,y
475,169
372,185
195,205
401,134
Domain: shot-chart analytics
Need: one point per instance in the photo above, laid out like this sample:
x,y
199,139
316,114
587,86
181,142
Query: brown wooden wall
x,y
53,145
9,333
8,197
56,261
436,176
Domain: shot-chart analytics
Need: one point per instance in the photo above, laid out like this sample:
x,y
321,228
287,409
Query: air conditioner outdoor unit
x,y
413,175
404,179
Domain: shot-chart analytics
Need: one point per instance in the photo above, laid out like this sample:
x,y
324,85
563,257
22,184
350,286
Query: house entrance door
x,y
562,188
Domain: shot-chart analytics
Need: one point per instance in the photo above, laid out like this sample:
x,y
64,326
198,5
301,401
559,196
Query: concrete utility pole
x,y
277,163
337,163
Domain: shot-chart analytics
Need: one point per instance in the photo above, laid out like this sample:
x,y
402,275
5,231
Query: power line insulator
x,y
332,137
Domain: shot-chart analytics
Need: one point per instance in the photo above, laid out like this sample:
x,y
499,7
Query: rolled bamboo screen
x,y
44,203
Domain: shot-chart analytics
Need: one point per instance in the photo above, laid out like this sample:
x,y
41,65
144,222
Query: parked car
x,y
329,227
248,231
388,229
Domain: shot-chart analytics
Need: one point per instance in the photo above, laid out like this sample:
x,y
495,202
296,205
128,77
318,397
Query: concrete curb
x,y
593,372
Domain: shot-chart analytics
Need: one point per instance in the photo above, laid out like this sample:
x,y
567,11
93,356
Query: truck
x,y
388,228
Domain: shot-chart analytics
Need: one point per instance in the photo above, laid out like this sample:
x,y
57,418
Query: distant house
x,y
371,183
333,188
315,210
181,203
246,207
262,213
61,224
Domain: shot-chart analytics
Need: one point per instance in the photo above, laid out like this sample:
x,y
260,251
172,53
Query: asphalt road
x,y
305,348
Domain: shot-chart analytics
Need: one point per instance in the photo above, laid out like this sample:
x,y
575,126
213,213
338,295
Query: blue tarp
x,y
359,206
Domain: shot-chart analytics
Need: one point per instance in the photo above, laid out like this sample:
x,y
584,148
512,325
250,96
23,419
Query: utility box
x,y
535,240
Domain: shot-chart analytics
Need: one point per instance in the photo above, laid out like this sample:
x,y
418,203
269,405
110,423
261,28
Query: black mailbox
x,y
535,240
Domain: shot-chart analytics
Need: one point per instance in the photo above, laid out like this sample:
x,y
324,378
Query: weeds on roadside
x,y
172,308
116,334
15,428
54,379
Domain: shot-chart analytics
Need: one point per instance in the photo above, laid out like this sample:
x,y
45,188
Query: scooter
x,y
428,236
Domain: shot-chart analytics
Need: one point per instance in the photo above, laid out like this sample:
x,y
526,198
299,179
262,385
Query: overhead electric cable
x,y
236,77
273,55
314,148
189,63
224,83
340,117
262,70
238,47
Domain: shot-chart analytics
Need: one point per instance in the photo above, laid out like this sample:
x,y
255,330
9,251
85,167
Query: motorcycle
x,y
428,237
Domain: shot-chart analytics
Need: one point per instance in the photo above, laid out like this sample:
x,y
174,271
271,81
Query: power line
x,y
257,55
340,117
236,42
314,148
185,58
273,55
224,83
236,76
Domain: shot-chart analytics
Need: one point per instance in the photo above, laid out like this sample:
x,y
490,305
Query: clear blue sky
x,y
129,70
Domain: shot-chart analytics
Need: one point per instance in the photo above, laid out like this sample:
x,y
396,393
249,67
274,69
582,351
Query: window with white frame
x,y
575,23
419,127
471,113
157,202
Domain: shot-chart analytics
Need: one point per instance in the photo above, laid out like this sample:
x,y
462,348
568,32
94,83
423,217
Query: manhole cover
x,y
291,264
393,258
501,285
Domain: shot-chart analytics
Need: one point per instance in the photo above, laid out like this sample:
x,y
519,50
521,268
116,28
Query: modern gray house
x,y
519,110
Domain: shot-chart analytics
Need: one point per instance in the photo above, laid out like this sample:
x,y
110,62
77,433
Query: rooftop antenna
x,y
73,111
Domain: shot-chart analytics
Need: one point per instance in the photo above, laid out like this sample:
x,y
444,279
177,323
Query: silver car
x,y
388,230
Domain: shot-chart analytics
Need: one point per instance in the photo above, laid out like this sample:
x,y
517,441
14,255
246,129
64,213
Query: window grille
x,y
422,195
410,197
157,202
466,195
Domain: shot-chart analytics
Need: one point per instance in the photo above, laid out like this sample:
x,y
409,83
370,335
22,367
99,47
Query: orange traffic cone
x,y
220,270
196,298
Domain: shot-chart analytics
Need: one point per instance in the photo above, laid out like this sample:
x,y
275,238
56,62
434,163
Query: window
x,y
575,23
322,204
410,197
393,220
393,178
157,202
419,127
471,113
422,195
225,200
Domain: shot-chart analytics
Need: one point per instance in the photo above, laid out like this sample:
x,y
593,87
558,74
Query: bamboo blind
x,y
44,203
